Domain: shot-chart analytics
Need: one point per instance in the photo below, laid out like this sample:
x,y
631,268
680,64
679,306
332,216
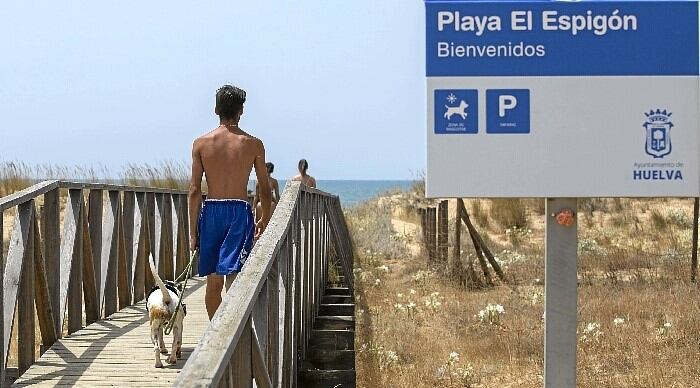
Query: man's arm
x,y
277,190
265,193
256,197
194,198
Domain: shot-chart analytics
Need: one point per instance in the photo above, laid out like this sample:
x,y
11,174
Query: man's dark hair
x,y
229,101
303,166
270,167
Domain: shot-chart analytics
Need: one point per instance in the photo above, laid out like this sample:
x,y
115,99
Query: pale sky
x,y
340,83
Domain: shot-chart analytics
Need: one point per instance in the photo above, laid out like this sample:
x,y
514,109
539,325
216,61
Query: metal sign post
x,y
560,293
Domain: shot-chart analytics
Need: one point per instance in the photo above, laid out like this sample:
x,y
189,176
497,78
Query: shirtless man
x,y
274,186
303,177
225,230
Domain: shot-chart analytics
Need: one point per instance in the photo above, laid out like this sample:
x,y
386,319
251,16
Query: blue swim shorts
x,y
226,232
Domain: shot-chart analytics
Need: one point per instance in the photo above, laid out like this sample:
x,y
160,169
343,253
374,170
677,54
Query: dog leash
x,y
186,273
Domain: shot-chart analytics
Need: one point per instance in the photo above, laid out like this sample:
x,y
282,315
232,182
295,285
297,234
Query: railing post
x,y
93,308
51,231
74,274
457,267
261,319
140,248
296,291
153,237
442,232
130,242
274,326
168,252
42,296
241,366
25,299
110,253
432,240
95,218
181,238
306,313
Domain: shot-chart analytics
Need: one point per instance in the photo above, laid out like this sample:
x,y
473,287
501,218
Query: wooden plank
x,y
168,254
90,296
432,246
153,246
210,359
25,301
306,260
242,376
180,240
95,220
159,234
123,273
110,252
71,247
422,213
294,303
442,232
487,252
186,225
260,372
44,309
260,319
113,187
140,247
74,290
25,195
51,232
130,241
287,300
18,249
273,314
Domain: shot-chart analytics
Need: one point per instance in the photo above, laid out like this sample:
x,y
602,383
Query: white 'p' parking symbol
x,y
506,103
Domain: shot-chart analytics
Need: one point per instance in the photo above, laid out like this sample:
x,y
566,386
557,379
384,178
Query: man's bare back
x,y
227,157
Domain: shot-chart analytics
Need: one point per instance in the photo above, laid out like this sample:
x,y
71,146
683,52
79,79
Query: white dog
x,y
457,110
161,308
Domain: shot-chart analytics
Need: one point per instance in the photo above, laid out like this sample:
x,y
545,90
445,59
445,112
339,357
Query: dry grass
x,y
15,176
629,268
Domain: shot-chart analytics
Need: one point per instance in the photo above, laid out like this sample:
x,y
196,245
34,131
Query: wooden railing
x,y
99,256
264,323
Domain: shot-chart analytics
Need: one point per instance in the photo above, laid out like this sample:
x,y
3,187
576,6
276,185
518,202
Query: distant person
x,y
303,177
226,229
275,192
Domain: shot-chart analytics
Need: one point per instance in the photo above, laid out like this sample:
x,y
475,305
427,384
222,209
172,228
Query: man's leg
x,y
212,299
229,280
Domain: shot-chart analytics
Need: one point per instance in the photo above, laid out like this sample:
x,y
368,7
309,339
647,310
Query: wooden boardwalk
x,y
67,279
117,352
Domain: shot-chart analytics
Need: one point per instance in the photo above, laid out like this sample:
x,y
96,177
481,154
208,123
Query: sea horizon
x,y
354,191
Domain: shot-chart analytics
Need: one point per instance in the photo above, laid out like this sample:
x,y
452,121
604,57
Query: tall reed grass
x,y
171,174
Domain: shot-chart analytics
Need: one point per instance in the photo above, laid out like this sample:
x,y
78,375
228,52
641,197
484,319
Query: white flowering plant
x,y
433,301
451,371
491,314
592,331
